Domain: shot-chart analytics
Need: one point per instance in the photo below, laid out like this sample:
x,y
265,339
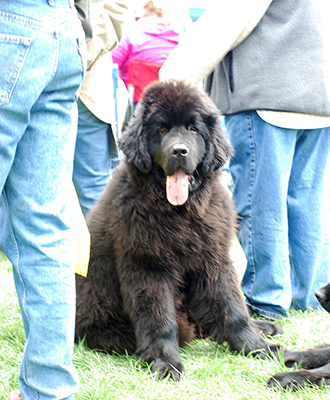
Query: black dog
x,y
314,363
160,272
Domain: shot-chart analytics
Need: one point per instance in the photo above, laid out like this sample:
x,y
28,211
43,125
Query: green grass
x,y
212,371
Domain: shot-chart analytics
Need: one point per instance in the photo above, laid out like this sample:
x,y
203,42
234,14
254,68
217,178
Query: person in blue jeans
x,y
41,70
99,115
281,189
95,157
267,67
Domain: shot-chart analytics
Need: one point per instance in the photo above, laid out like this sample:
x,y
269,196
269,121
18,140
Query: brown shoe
x,y
15,395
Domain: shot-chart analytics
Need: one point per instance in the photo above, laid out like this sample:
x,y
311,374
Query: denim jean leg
x,y
91,170
38,127
261,171
308,213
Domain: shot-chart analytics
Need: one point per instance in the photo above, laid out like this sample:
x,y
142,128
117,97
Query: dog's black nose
x,y
180,150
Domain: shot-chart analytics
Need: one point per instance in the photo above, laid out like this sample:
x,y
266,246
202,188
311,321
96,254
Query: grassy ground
x,y
212,371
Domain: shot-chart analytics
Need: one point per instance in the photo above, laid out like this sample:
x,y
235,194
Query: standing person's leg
x,y
261,170
308,212
37,130
92,163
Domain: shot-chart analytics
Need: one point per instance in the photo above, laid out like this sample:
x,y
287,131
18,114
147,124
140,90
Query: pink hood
x,y
151,43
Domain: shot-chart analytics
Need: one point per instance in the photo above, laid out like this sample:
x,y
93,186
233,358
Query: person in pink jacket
x,y
151,39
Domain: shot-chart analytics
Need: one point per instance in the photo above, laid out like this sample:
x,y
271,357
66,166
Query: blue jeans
x,y
281,187
40,72
94,159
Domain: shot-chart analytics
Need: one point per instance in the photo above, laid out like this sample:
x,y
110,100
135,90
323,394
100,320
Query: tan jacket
x,y
97,88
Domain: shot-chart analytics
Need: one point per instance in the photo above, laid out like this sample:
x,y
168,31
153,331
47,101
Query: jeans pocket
x,y
83,53
13,50
82,49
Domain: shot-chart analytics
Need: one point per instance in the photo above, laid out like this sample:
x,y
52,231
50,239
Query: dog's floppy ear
x,y
134,144
218,148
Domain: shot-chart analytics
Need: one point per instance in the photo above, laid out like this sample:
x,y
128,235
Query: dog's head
x,y
176,134
323,296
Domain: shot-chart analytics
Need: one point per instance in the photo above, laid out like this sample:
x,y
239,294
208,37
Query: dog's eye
x,y
162,131
192,129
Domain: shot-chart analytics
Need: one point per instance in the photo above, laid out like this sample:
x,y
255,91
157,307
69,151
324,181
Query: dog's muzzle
x,y
180,151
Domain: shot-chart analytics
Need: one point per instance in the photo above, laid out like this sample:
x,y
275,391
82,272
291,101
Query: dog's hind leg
x,y
116,336
266,328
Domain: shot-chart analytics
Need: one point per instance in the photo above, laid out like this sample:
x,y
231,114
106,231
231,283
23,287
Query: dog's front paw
x,y
298,379
165,368
287,380
297,359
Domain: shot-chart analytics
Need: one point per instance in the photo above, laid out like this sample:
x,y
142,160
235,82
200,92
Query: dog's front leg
x,y
149,302
302,377
218,305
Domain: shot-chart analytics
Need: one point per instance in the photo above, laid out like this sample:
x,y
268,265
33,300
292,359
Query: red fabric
x,y
140,74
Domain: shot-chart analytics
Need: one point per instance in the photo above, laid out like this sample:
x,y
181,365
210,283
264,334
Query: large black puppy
x,y
160,271
314,363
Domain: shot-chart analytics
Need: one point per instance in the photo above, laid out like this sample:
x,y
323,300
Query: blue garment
x,y
40,72
281,187
95,157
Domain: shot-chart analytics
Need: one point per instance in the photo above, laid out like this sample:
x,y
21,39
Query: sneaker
x,y
15,395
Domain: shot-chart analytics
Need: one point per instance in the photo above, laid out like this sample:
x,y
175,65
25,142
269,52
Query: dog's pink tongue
x,y
177,188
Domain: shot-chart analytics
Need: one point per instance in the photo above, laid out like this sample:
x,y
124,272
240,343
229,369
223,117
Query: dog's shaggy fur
x,y
160,272
314,363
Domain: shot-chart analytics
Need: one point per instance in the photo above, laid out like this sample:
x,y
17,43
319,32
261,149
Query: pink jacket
x,y
150,43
